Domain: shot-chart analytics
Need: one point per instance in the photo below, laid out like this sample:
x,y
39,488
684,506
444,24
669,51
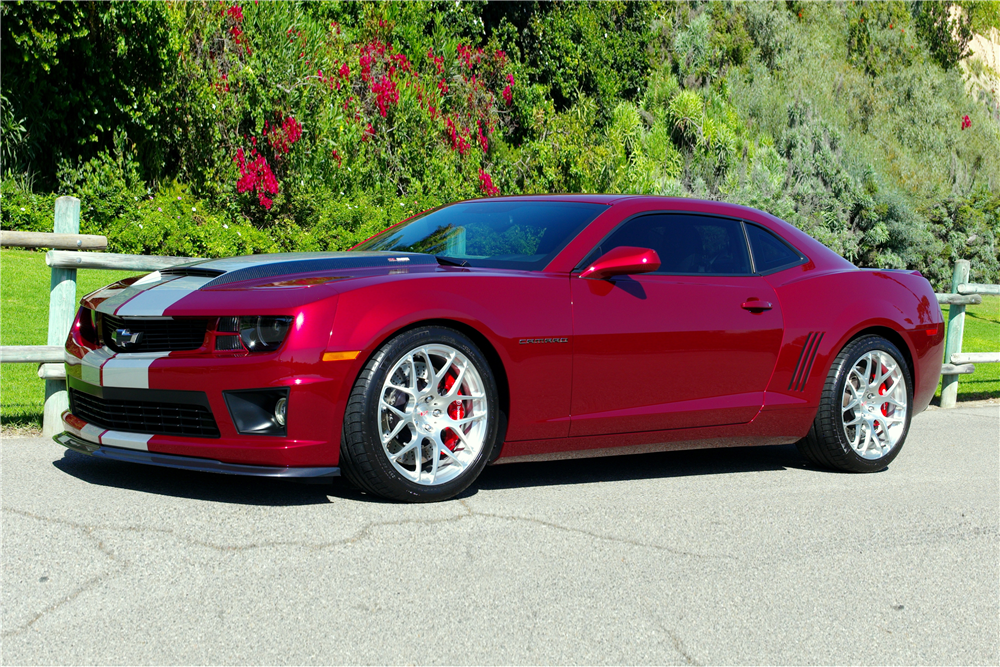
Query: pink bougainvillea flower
x,y
486,184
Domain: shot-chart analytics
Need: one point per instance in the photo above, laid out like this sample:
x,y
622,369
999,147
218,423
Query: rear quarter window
x,y
770,253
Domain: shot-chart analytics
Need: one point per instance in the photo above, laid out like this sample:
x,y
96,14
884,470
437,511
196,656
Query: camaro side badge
x,y
528,341
124,338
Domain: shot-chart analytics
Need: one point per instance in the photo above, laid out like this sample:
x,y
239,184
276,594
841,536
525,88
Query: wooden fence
x,y
62,296
66,256
963,293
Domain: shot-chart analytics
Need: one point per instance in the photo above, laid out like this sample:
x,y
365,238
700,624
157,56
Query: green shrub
x,y
25,211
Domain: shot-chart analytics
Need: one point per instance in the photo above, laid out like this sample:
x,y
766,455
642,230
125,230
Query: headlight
x,y
263,333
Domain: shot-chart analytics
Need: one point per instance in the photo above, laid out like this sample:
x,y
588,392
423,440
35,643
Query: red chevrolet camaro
x,y
508,329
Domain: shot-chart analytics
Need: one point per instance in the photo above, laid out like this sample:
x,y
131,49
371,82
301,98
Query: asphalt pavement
x,y
744,556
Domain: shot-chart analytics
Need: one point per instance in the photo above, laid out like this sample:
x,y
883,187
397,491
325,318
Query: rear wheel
x,y
864,413
422,418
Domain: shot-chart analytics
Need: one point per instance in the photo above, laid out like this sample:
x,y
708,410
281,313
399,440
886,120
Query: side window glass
x,y
687,244
769,252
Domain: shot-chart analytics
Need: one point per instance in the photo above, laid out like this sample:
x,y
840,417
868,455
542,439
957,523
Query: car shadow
x,y
236,489
694,462
210,487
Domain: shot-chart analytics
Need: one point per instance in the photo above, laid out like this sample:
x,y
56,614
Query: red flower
x,y
508,95
256,176
458,142
483,142
486,184
438,61
386,93
966,122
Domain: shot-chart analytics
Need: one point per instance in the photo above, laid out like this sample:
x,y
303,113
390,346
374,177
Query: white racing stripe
x,y
91,365
155,300
89,432
129,370
112,303
138,441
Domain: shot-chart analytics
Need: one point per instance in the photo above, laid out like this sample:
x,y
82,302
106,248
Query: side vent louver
x,y
806,358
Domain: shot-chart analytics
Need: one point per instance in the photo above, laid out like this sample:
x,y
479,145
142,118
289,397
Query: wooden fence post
x,y
956,327
62,310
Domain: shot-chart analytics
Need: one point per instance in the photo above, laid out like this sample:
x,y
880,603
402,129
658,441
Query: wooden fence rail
x,y
31,354
68,241
106,260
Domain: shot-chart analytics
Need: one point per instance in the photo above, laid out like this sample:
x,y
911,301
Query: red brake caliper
x,y
456,411
885,406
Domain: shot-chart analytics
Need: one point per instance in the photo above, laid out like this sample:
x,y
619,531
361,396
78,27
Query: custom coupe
x,y
501,330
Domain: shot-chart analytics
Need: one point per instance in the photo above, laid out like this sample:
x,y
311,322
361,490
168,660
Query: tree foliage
x,y
213,128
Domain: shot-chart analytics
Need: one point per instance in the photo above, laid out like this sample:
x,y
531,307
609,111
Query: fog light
x,y
279,411
258,411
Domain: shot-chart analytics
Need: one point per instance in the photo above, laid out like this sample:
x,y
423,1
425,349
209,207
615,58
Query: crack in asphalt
x,y
364,531
679,646
88,531
75,593
608,538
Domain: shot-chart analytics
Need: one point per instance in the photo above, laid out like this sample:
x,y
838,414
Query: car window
x,y
769,252
687,244
501,234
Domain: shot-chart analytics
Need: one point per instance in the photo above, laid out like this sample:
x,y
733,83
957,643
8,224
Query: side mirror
x,y
622,261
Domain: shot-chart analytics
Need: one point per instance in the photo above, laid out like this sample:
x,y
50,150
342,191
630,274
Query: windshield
x,y
495,234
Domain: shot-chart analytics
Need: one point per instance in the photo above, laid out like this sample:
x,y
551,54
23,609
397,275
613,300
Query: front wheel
x,y
422,418
864,413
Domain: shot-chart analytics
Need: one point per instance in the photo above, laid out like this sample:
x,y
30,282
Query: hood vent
x,y
191,271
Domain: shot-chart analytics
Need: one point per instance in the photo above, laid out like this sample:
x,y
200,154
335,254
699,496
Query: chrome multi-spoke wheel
x,y
874,405
864,409
423,418
433,414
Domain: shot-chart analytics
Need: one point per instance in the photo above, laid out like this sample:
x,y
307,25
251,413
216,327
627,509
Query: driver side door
x,y
692,344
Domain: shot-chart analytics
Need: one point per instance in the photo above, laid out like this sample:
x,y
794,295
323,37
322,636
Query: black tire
x,y
827,444
363,460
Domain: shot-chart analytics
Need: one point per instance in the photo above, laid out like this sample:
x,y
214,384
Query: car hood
x,y
255,268
273,279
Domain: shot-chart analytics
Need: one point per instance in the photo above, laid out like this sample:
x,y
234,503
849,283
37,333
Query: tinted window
x,y
686,244
769,252
498,234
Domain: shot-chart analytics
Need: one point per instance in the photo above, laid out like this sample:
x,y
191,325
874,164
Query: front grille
x,y
184,419
157,335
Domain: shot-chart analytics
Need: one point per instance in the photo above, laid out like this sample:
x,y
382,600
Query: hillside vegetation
x,y
215,128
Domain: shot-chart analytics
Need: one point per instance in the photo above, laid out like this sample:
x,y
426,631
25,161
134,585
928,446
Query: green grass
x,y
24,320
982,334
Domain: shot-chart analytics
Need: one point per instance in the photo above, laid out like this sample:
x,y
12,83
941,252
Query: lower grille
x,y
184,419
156,335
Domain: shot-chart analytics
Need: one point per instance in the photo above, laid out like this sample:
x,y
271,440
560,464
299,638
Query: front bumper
x,y
77,444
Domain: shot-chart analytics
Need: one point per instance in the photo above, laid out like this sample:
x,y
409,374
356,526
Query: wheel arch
x,y
893,337
488,349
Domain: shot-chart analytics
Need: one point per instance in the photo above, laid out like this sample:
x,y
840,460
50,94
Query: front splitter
x,y
71,441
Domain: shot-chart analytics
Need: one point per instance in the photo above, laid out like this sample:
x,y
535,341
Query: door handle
x,y
756,306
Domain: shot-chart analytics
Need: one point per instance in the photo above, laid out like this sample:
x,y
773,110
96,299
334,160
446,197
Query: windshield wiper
x,y
448,261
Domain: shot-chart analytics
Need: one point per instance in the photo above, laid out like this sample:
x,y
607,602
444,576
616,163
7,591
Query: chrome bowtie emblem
x,y
124,338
